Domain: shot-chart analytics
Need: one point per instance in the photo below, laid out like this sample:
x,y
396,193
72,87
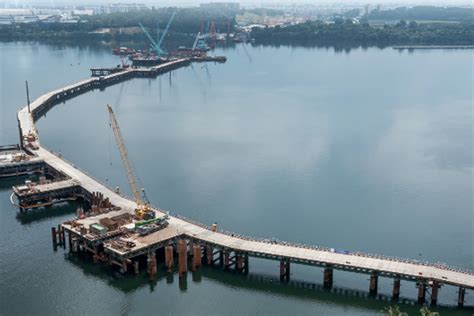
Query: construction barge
x,y
15,162
110,231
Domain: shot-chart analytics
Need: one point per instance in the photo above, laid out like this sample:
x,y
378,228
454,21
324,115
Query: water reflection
x,y
301,290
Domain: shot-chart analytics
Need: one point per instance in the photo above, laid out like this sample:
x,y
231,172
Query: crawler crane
x,y
143,210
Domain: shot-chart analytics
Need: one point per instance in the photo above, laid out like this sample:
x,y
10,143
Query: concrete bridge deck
x,y
179,227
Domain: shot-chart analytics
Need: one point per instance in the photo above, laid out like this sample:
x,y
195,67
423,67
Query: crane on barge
x,y
156,45
143,210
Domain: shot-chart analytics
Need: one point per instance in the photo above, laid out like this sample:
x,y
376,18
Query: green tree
x,y
413,25
401,24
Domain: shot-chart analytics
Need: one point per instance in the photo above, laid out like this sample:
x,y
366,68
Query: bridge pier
x,y
169,258
434,293
69,238
95,254
209,255
136,267
182,257
221,258
226,258
246,264
285,270
55,237
421,291
461,294
239,262
196,257
151,263
373,284
328,278
396,289
124,267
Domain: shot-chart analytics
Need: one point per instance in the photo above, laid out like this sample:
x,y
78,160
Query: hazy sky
x,y
243,2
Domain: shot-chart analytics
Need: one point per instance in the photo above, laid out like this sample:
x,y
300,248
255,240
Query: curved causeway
x,y
205,243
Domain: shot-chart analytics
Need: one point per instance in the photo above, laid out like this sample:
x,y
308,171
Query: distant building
x,y
125,7
220,5
83,12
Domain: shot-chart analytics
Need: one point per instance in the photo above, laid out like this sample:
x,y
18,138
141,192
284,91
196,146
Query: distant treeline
x,y
123,27
346,33
187,21
424,13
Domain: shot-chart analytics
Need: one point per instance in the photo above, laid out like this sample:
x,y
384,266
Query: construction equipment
x,y
143,206
196,40
156,45
166,30
124,64
200,43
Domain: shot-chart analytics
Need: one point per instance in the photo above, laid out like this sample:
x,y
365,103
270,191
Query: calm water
x,y
364,150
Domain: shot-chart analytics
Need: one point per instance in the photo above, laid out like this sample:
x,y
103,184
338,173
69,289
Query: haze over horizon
x,y
242,2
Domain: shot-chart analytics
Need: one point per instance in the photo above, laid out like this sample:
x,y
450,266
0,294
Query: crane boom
x,y
196,40
132,181
166,30
150,38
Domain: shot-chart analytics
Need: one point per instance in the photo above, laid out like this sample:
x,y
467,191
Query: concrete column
x,y
434,293
246,264
63,236
196,257
328,278
191,247
421,292
69,238
95,255
124,267
54,236
136,267
284,270
75,245
239,262
226,260
151,262
221,258
396,289
373,284
169,258
461,294
209,255
182,257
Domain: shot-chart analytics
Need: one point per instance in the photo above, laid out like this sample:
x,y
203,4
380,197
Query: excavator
x,y
143,210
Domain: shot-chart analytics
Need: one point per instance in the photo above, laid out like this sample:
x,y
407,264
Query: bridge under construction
x,y
105,230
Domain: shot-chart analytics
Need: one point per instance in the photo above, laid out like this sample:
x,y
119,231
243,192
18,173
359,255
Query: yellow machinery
x,y
143,206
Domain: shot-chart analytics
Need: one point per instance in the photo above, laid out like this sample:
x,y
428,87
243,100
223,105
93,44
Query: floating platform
x,y
46,193
16,162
